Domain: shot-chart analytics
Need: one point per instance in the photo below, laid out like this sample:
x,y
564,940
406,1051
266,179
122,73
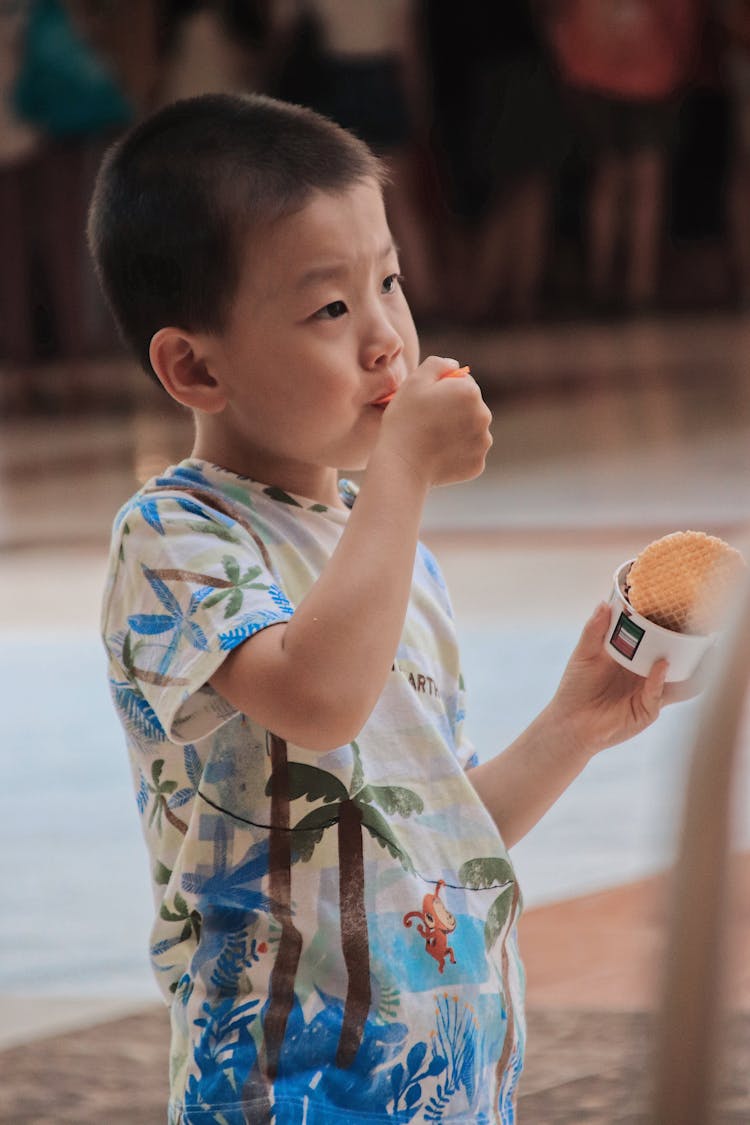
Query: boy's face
x,y
319,330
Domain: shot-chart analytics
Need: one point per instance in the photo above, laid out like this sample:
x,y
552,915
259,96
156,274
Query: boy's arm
x,y
598,704
315,679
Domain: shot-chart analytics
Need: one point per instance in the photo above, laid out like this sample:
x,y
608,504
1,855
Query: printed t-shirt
x,y
335,932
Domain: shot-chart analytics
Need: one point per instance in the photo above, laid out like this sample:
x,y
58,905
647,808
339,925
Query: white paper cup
x,y
635,642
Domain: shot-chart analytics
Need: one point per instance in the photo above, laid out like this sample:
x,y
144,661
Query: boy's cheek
x,y
411,347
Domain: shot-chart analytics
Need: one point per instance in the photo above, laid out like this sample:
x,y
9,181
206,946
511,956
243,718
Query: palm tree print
x,y
235,586
351,810
175,620
181,912
165,797
481,874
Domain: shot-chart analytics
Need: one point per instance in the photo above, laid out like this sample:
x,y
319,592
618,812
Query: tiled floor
x,y
604,438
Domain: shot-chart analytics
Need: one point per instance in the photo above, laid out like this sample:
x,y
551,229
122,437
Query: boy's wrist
x,y
399,470
569,734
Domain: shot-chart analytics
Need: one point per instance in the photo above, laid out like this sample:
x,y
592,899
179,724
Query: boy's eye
x,y
392,282
331,311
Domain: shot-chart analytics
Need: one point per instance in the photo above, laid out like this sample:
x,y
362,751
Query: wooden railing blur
x,y
688,1043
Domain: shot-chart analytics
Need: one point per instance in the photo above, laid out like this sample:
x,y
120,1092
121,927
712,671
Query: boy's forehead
x,y
329,234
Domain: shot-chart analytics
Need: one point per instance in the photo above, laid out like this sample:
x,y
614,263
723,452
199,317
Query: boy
x,y
336,907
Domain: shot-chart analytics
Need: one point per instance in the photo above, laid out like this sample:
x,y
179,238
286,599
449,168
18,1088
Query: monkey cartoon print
x,y
435,923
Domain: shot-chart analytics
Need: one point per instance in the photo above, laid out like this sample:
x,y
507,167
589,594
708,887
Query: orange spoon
x,y
454,373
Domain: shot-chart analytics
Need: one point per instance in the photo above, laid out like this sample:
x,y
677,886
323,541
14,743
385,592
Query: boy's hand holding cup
x,y
438,423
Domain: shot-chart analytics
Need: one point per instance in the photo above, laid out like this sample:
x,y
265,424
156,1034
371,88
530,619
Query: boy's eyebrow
x,y
333,270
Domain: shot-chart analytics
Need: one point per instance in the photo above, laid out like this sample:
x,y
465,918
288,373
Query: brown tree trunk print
x,y
221,505
173,820
510,1028
354,939
281,984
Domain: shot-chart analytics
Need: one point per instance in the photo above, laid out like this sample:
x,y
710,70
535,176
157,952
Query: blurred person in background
x,y
626,65
359,63
61,100
19,149
501,136
212,47
735,19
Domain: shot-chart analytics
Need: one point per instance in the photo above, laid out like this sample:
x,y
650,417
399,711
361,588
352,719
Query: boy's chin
x,y
354,465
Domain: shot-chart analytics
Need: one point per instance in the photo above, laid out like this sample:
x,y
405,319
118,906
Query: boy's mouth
x,y
453,373
383,401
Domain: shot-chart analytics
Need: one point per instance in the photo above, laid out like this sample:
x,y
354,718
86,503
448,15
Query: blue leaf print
x,y
431,565
199,638
415,1058
231,888
407,1087
164,946
182,473
155,623
280,599
200,596
150,623
193,766
197,597
413,1095
230,971
194,509
162,591
307,1067
245,629
150,512
224,1057
137,714
180,798
142,795
456,1044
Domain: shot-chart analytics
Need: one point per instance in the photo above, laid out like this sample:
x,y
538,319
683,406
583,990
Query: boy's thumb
x,y
594,631
438,367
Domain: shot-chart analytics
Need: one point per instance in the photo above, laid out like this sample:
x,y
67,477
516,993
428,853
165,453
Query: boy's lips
x,y
453,373
384,399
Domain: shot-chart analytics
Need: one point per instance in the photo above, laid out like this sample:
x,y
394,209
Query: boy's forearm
x,y
597,704
520,784
345,632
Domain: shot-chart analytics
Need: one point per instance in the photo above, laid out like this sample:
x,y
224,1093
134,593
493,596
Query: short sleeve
x,y
190,584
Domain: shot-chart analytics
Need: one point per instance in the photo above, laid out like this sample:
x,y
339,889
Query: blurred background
x,y
570,192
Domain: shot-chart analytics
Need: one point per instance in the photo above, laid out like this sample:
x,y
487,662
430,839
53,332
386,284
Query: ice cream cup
x,y
635,642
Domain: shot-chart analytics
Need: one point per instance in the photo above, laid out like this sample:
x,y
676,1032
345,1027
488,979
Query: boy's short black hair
x,y
176,197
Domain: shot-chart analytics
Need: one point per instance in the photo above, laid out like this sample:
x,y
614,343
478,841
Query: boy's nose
x,y
382,344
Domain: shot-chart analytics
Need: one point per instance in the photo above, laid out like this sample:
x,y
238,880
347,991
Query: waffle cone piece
x,y
684,581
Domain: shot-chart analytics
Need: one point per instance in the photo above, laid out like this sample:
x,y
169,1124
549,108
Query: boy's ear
x,y
181,367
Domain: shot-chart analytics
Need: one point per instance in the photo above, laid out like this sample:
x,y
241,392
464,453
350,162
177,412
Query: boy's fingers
x,y
653,688
594,631
456,373
435,367
446,365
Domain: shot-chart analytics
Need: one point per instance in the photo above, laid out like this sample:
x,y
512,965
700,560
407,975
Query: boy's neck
x,y
313,483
